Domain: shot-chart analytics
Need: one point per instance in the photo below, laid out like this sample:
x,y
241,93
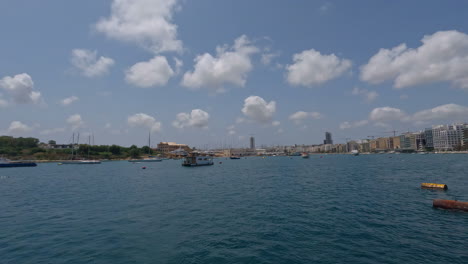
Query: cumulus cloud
x,y
385,114
443,56
89,64
148,23
230,65
155,72
267,58
311,68
16,127
197,118
368,96
442,112
275,123
75,121
145,121
258,110
21,88
347,124
68,100
52,131
231,130
300,116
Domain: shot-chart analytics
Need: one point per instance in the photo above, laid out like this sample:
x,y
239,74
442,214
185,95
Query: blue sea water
x,y
326,209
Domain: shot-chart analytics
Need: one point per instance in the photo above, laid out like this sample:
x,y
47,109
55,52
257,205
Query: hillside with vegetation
x,y
29,148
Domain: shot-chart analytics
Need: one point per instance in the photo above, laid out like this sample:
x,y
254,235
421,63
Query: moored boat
x,y
305,155
234,157
81,162
196,159
6,163
146,160
355,152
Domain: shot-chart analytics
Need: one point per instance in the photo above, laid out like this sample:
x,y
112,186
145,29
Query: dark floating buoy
x,y
143,167
220,162
450,204
434,186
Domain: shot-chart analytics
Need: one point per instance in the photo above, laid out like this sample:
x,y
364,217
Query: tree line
x,y
31,148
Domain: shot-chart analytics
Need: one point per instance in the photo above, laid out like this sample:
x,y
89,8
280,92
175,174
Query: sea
x,y
325,209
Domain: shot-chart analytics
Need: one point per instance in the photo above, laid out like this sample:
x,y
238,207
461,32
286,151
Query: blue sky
x,y
210,73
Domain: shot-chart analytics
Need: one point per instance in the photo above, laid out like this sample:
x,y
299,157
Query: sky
x,y
212,73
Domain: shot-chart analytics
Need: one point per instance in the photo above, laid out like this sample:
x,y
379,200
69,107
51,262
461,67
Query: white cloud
x,y
276,123
75,121
108,125
442,112
443,56
89,64
155,72
369,96
311,68
346,124
16,127
144,120
300,116
52,131
148,23
267,58
68,100
21,88
231,130
3,103
197,118
257,109
385,114
229,66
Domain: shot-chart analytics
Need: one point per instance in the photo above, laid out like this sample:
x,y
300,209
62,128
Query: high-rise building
x,y
447,137
328,138
252,143
429,138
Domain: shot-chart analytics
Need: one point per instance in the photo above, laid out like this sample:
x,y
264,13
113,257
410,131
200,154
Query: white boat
x,y
73,160
79,162
146,160
305,155
196,159
150,158
355,152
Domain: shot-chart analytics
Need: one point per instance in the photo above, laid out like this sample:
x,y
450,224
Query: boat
x,y
234,157
195,159
73,159
355,152
6,163
149,158
305,155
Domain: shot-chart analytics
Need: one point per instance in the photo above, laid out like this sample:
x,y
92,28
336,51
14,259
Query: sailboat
x,y
74,160
150,158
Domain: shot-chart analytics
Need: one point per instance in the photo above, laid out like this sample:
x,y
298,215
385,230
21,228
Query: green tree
x,y
115,150
134,153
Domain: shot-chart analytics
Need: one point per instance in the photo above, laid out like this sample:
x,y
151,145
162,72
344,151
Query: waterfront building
x,y
447,137
465,135
382,143
373,145
429,138
397,141
252,143
166,147
328,138
364,146
352,145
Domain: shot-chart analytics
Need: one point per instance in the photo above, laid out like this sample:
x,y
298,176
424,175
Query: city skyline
x,y
239,71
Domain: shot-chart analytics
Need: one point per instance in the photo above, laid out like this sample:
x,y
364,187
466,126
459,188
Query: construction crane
x,y
393,131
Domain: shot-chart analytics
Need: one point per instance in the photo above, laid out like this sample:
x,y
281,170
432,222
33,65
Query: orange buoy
x,y
450,204
434,186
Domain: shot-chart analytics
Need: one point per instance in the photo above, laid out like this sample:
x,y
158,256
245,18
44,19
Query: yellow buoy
x,y
434,186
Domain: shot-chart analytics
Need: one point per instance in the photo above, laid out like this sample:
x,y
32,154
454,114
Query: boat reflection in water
x,y
6,163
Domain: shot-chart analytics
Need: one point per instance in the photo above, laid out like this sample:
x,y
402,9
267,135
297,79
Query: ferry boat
x,y
6,163
305,155
197,159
